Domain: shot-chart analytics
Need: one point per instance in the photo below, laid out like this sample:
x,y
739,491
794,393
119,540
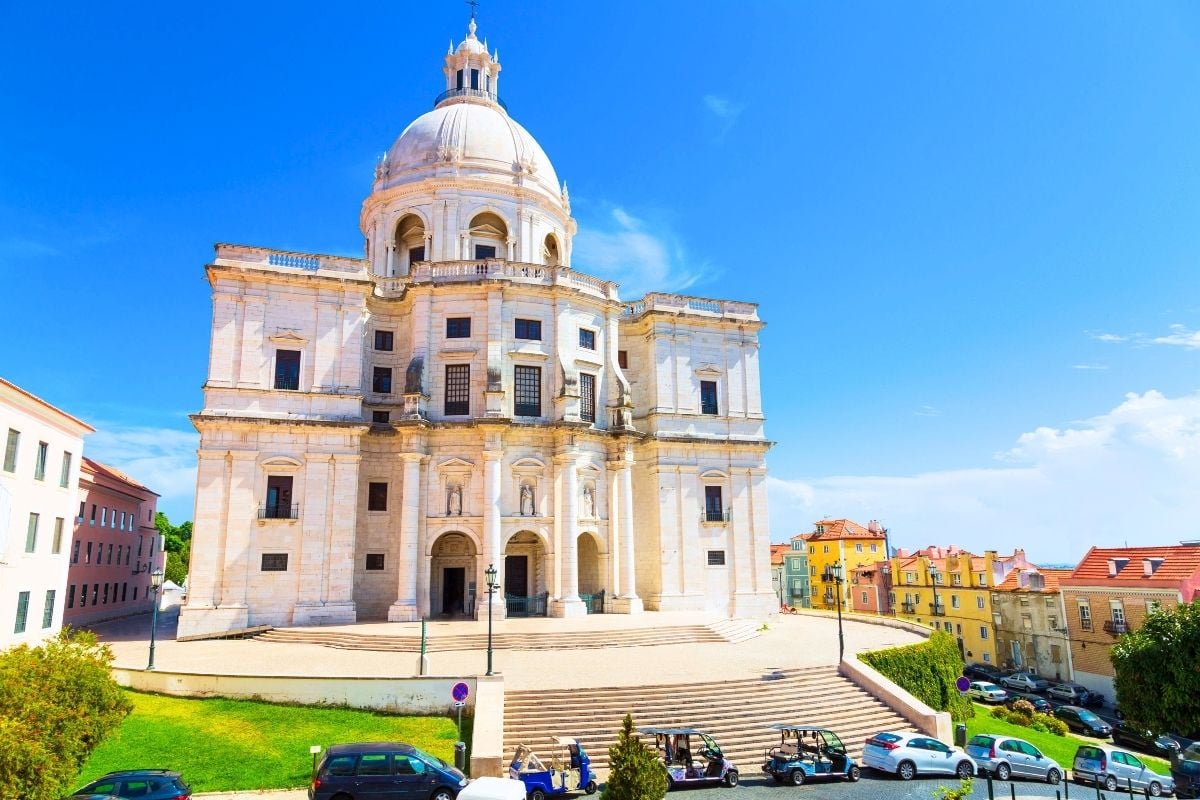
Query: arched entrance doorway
x,y
526,575
591,573
452,576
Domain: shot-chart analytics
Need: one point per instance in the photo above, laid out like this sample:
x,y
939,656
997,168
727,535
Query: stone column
x,y
404,609
391,258
492,547
628,602
568,603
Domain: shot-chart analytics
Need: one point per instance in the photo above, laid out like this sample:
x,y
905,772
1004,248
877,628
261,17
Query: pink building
x,y
114,549
870,587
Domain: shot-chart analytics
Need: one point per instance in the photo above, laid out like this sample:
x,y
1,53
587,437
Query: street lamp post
x,y
156,581
492,586
833,574
933,575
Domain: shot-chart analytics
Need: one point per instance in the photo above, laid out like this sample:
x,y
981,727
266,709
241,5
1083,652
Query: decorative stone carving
x,y
589,502
526,500
414,376
454,500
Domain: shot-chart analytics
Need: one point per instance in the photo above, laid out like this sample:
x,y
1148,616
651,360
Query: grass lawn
x,y
1060,748
224,745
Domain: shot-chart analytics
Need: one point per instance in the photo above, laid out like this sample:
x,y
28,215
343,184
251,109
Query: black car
x,y
1186,773
144,784
1083,721
1040,704
383,771
982,672
1126,734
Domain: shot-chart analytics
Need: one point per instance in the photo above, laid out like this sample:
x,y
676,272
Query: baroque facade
x,y
376,432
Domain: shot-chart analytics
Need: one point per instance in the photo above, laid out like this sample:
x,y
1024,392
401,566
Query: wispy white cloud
x,y
928,411
1109,337
1180,336
162,459
641,257
725,111
1128,475
1089,366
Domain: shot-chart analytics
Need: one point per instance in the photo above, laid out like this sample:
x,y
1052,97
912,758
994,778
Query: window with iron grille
x,y
458,327
587,397
274,562
713,508
374,561
529,329
384,340
287,369
527,391
377,497
716,558
708,397
381,380
587,339
458,389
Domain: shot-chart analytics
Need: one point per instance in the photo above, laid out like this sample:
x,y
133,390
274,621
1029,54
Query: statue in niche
x,y
589,502
454,500
526,500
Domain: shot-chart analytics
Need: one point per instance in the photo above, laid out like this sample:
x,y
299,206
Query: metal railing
x,y
593,602
714,515
937,609
1115,628
482,94
519,606
279,511
908,608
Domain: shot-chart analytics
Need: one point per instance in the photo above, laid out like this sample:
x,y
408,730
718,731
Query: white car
x,y
987,692
910,754
1025,682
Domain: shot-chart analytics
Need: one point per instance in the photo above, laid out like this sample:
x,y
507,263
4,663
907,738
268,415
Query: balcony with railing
x,y
238,255
478,94
937,609
1115,628
494,269
714,515
908,608
684,304
279,511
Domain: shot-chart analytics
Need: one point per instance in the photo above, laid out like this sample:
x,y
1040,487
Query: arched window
x,y
550,251
489,236
410,243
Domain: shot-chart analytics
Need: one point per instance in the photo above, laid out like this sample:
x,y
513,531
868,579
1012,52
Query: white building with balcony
x,y
376,432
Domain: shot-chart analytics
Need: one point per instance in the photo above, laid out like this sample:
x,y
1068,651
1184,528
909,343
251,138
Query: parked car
x,y
1127,735
1006,757
706,766
1186,774
1083,721
910,754
1117,769
383,771
145,784
982,672
1075,694
1025,682
1040,704
987,692
806,752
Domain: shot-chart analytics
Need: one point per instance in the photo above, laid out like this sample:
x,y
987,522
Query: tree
x,y
177,541
1157,671
634,770
57,701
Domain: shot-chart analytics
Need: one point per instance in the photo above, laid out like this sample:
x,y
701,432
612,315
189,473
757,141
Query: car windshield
x,y
432,761
1088,716
988,687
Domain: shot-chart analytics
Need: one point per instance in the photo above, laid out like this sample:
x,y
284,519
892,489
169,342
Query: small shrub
x,y
1039,726
1000,712
1017,718
963,790
1024,706
1052,724
635,773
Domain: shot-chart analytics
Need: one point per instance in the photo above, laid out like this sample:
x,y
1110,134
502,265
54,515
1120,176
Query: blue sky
x,y
972,228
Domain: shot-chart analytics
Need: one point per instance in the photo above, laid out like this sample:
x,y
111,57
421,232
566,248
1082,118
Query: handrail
x,y
483,94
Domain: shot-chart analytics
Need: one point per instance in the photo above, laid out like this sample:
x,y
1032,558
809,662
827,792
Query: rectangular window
x,y
587,339
88,559
31,533
82,508
623,359
71,596
1118,612
458,389
458,79
10,450
120,553
103,516
716,558
708,397
377,496
56,542
39,465
954,601
416,254
109,554
458,327
124,591
106,594
956,579
384,340
485,251
858,547
381,380
983,632
714,509
381,417
75,552
123,520
374,561
274,562
527,391
279,501
529,329
22,612
287,369
65,478
587,397
474,79
93,520
83,595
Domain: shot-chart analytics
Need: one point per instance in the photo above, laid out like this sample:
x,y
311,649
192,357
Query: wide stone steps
x,y
735,713
684,634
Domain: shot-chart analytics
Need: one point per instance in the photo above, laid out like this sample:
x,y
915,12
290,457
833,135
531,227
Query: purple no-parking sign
x,y
962,684
460,692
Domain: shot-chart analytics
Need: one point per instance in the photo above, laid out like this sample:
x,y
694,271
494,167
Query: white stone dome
x,y
474,137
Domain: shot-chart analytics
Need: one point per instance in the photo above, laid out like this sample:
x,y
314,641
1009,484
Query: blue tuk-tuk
x,y
805,752
685,767
569,771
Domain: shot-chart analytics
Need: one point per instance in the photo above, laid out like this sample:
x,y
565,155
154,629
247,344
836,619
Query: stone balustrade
x,y
684,304
496,269
237,254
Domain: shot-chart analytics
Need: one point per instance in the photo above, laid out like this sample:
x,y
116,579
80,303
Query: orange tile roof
x,y
1179,563
1049,576
842,529
777,551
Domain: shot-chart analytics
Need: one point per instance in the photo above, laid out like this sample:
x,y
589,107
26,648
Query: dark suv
x,y
384,771
1083,721
140,784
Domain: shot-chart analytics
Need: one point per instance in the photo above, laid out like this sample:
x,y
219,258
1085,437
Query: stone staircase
x,y
735,713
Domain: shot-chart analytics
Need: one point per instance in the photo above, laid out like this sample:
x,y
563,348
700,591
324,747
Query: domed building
x,y
380,434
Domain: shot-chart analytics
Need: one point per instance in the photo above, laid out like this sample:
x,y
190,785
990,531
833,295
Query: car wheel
x,y
537,794
670,783
907,770
797,777
731,778
966,770
1110,783
1003,772
591,787
854,774
1155,789
1053,777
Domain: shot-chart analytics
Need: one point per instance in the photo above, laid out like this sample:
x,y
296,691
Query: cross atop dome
x,y
472,74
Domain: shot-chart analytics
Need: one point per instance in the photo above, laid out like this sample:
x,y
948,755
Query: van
x,y
384,771
1115,769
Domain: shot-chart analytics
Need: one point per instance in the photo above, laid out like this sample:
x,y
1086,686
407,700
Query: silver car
x,y
987,692
1069,693
1025,681
1006,758
1115,769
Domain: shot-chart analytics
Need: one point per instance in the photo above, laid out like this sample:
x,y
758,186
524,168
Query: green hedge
x,y
927,671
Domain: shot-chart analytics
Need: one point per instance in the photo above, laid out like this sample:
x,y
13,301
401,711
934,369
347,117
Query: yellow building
x,y
845,543
951,589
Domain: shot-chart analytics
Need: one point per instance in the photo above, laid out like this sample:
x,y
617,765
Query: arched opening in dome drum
x,y
550,251
488,237
410,244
